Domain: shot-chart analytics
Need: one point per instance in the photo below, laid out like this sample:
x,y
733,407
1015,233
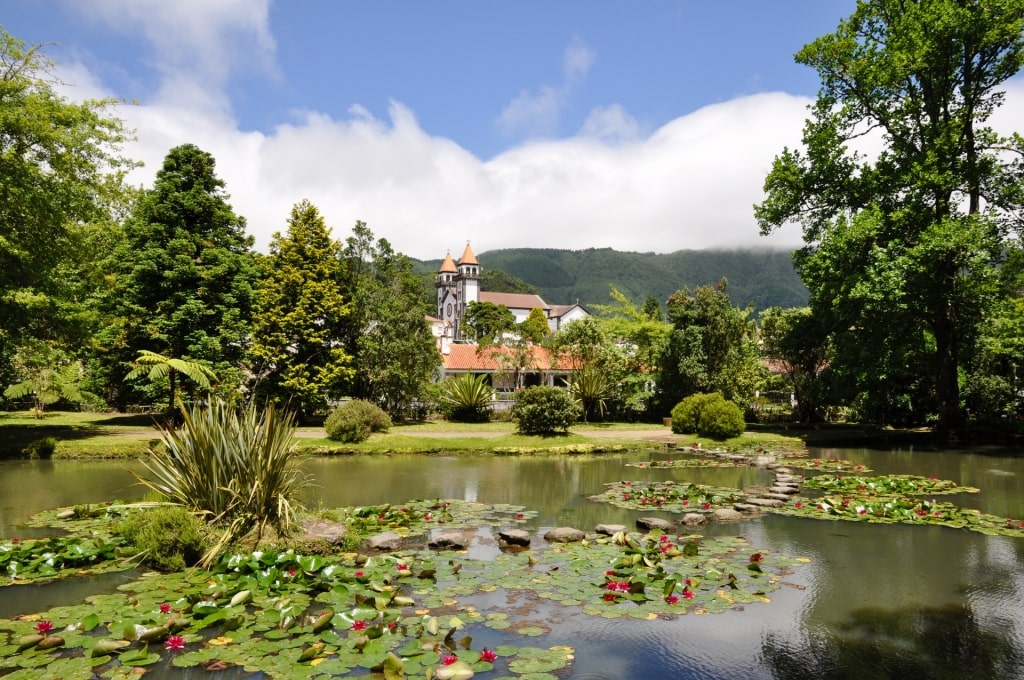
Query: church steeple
x,y
468,257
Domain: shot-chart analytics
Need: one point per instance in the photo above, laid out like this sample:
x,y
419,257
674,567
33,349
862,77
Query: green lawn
x,y
92,435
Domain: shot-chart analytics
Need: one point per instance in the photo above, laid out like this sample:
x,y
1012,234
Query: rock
x,y
783,471
456,540
514,536
765,502
727,515
648,523
746,507
777,496
693,519
609,529
322,530
385,541
778,488
564,535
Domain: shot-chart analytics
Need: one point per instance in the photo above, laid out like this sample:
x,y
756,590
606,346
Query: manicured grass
x,y
92,435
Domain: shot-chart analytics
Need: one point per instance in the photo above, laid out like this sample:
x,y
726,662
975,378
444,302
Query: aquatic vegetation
x,y
910,485
668,496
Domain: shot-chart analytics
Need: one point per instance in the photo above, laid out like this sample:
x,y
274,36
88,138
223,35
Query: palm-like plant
x,y
590,389
48,385
230,465
467,398
157,366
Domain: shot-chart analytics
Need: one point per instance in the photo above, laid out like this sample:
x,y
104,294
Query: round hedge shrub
x,y
355,420
708,415
544,410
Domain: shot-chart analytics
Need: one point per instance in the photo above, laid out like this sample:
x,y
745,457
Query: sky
x,y
645,127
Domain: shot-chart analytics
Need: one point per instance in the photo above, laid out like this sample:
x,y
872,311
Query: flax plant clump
x,y
233,466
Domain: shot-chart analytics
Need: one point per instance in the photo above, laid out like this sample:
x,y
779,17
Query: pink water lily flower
x,y
449,659
488,655
174,643
44,627
165,608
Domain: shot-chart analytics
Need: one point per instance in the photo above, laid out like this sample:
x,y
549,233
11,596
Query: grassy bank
x,y
91,435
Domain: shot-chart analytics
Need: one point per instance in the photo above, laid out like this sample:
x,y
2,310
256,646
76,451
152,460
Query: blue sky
x,y
570,124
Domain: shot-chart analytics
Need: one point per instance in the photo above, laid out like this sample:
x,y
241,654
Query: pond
x,y
874,601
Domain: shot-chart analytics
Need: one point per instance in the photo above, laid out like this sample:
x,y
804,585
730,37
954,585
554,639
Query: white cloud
x,y
690,184
536,114
196,44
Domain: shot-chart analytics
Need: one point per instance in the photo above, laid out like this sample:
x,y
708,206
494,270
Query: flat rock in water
x,y
746,507
765,502
648,523
385,541
514,536
727,515
694,519
785,489
777,496
564,535
609,529
450,539
318,529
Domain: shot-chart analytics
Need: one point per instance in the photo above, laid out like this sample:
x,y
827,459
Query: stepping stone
x,y
746,507
765,502
694,519
564,535
318,529
386,541
784,489
609,529
649,523
783,471
777,496
727,515
514,536
456,540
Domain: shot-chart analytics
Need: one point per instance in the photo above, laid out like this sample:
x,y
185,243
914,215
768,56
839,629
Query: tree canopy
x,y
905,194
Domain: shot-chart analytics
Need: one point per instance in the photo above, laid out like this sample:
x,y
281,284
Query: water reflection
x,y
874,602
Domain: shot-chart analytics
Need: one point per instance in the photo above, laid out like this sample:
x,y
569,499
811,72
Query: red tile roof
x,y
465,357
448,266
467,256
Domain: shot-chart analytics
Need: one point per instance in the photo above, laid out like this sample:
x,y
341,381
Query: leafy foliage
x,y
298,323
467,398
184,275
49,376
167,538
488,322
355,420
711,348
394,352
535,326
902,247
709,415
544,410
62,168
233,466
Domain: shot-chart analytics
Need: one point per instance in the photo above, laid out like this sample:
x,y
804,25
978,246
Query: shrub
x,y
233,466
355,420
167,538
41,448
686,413
466,399
709,415
544,410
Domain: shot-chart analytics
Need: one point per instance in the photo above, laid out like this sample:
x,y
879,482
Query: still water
x,y
875,602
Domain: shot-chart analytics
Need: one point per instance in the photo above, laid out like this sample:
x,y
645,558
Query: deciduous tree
x,y
902,243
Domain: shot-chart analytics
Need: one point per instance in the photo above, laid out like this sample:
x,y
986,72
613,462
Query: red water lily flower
x,y
449,659
359,625
402,567
174,643
488,655
519,515
15,540
663,538
688,594
707,506
756,557
392,625
609,597
672,599
360,574
799,505
686,502
165,608
921,512
426,517
44,627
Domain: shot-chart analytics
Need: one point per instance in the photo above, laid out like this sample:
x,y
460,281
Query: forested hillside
x,y
764,277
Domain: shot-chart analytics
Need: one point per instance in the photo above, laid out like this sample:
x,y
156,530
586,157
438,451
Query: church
x,y
459,284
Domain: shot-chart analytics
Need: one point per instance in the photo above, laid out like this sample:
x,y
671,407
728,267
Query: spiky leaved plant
x,y
467,398
233,465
